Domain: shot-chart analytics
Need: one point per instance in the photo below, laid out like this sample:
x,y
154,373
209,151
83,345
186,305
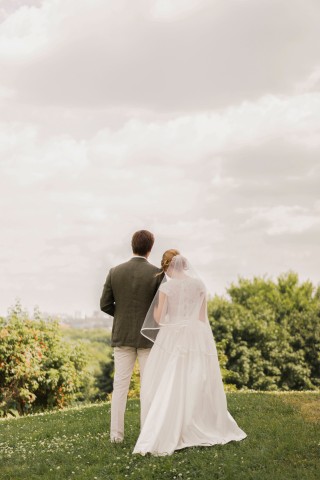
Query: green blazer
x,y
127,295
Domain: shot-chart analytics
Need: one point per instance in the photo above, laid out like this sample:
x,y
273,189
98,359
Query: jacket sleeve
x,y
160,279
107,303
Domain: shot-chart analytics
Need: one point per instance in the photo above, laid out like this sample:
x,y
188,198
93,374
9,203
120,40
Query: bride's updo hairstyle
x,y
167,257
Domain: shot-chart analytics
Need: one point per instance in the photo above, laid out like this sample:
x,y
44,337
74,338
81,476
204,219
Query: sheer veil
x,y
177,317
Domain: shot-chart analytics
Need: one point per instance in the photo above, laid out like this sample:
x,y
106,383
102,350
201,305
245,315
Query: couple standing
x,y
183,403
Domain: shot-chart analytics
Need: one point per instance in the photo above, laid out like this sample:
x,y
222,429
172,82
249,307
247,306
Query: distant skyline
x,y
196,119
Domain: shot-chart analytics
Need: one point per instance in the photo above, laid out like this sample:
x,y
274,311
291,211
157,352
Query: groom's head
x,y
142,242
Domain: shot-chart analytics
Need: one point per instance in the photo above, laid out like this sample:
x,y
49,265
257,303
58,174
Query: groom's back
x,y
127,295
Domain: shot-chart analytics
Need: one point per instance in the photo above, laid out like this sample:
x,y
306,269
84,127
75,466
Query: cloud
x,y
169,10
23,34
6,92
282,219
196,120
311,82
75,53
72,204
232,146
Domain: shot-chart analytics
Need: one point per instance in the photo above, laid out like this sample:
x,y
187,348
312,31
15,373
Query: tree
x,y
269,332
37,368
104,380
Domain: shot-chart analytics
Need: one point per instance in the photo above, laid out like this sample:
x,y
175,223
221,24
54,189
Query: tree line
x,y
267,334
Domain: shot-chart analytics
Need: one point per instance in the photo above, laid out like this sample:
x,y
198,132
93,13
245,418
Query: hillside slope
x,y
283,438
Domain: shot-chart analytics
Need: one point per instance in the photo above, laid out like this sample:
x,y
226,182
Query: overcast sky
x,y
196,119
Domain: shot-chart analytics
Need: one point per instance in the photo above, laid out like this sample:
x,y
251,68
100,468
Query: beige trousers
x,y
124,360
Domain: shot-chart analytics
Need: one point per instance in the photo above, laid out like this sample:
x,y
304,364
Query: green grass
x,y
282,444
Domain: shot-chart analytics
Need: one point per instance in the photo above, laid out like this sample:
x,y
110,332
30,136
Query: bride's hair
x,y
166,259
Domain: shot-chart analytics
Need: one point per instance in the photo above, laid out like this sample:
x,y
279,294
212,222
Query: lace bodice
x,y
184,299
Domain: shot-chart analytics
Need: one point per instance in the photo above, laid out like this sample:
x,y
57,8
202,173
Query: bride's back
x,y
185,297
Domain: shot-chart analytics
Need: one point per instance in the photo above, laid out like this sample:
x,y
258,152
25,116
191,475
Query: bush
x,y
104,380
269,332
37,368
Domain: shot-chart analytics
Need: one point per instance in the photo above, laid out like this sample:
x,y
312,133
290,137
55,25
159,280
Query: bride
x,y
183,403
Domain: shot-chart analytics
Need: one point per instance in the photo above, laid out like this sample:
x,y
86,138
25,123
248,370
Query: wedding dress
x,y
183,403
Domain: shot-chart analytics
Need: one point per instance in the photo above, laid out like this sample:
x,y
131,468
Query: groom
x,y
127,295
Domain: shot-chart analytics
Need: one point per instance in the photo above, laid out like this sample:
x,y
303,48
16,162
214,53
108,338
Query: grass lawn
x,y
282,444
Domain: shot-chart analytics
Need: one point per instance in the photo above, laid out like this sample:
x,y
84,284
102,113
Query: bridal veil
x,y
180,307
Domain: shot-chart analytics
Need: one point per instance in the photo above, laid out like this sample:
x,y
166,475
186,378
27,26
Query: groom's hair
x,y
142,242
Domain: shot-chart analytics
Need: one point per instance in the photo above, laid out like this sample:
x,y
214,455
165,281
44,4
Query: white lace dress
x,y
183,402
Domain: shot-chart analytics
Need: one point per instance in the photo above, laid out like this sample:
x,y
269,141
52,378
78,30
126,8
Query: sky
x,y
196,119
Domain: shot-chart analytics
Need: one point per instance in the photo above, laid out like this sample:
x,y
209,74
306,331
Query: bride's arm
x,y
203,310
161,308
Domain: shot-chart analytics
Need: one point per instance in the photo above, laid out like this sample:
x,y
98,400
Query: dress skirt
x,y
183,403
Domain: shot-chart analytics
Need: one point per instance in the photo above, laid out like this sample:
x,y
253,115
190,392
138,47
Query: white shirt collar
x,y
139,256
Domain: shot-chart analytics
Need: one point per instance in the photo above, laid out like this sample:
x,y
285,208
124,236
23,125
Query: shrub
x,y
269,332
37,368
